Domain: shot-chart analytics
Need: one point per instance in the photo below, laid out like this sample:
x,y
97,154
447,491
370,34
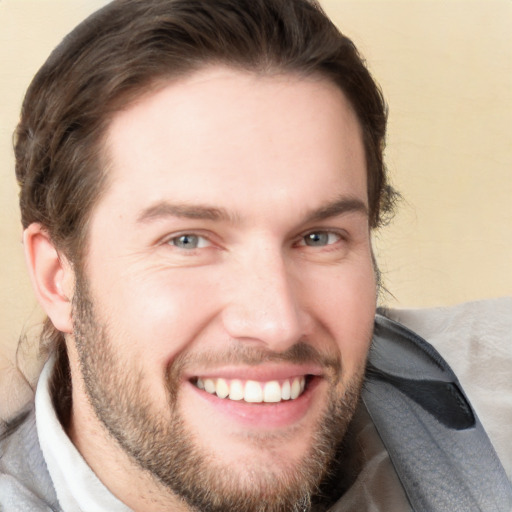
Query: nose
x,y
265,302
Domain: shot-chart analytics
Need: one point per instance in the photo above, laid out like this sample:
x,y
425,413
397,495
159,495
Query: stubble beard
x,y
162,445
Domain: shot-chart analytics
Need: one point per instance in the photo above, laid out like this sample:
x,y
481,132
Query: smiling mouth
x,y
252,391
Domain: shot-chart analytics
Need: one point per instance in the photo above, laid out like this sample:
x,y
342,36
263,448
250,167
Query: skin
x,y
251,165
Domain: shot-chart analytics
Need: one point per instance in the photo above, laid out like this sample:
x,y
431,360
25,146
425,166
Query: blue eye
x,y
189,242
320,238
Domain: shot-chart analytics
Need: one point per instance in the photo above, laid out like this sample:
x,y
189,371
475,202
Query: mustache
x,y
241,354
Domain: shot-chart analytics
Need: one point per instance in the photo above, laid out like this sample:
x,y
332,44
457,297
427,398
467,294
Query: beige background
x,y
446,70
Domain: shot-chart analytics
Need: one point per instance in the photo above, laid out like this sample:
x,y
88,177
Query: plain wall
x,y
446,70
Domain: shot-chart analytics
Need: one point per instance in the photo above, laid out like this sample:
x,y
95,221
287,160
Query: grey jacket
x,y
25,484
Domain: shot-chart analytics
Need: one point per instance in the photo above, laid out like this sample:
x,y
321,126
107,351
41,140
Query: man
x,y
199,181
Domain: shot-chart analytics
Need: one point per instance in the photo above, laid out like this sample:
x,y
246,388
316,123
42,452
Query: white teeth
x,y
272,392
295,392
254,392
236,391
222,388
209,386
286,390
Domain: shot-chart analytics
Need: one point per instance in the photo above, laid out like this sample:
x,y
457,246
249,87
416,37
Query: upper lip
x,y
260,373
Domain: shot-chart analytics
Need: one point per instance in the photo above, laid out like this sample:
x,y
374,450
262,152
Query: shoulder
x,y
475,339
25,484
434,437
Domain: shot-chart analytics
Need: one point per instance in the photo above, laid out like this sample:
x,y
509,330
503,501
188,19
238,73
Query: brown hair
x,y
122,50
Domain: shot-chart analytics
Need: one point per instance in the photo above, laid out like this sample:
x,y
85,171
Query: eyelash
x,y
171,241
302,241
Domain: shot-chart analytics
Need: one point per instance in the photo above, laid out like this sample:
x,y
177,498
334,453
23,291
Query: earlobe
x,y
52,276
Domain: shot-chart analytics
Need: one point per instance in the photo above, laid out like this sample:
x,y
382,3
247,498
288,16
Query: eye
x,y
320,238
189,241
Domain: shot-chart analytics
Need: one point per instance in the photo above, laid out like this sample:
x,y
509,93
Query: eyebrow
x,y
164,209
337,207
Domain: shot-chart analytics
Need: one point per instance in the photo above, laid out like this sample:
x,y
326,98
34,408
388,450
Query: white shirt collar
x,y
78,488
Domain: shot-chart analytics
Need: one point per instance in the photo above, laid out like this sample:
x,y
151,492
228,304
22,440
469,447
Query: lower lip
x,y
263,415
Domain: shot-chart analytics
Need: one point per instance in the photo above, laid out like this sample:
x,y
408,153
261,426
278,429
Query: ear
x,y
52,276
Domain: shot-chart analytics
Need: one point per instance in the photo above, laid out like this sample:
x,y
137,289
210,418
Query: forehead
x,y
235,139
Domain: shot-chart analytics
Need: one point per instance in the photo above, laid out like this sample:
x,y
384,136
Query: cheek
x,y
159,314
345,305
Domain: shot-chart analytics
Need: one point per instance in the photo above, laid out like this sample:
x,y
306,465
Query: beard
x,y
160,443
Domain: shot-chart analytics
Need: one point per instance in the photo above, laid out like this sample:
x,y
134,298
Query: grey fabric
x,y
377,487
475,339
436,442
25,485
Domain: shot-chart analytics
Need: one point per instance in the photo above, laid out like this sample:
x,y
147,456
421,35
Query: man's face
x,y
228,296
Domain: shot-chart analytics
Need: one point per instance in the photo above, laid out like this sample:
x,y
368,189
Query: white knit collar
x,y
78,488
